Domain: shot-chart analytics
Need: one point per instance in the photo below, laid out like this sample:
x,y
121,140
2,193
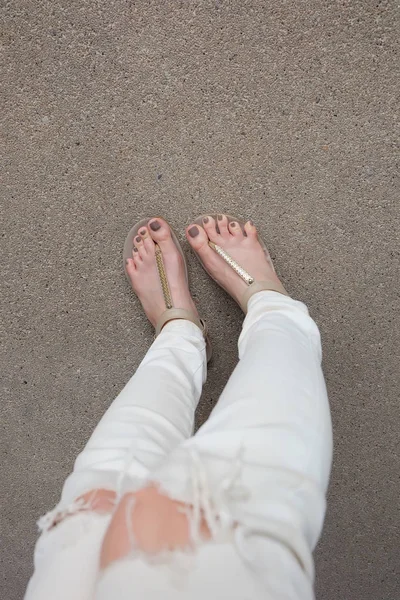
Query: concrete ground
x,y
284,112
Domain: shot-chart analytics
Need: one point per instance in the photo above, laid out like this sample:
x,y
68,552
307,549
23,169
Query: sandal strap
x,y
179,313
171,313
260,286
163,278
247,278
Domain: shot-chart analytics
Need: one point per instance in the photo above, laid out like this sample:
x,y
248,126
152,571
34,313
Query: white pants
x,y
258,469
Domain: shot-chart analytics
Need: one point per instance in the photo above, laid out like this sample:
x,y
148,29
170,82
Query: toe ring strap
x,y
260,286
179,313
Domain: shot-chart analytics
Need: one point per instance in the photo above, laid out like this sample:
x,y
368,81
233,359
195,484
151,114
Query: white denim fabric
x,y
257,470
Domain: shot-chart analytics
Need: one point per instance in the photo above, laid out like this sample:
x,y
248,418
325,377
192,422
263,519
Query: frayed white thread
x,y
215,506
231,490
59,513
55,516
193,512
210,513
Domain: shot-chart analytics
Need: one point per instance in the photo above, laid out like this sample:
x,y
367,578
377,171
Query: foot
x,y
143,272
246,250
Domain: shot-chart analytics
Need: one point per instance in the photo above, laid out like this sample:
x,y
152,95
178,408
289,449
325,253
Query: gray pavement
x,y
284,112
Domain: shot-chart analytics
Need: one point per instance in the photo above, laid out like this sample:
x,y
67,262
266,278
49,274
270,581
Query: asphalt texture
x,y
283,112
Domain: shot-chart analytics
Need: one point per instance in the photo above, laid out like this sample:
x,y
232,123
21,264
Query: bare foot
x,y
143,272
246,251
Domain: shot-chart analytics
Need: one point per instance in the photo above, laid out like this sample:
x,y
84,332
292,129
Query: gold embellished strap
x,y
232,263
163,278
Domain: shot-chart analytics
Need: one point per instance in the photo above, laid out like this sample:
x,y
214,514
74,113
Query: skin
x,y
158,522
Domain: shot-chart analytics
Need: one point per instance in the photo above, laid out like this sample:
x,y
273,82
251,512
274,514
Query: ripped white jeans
x,y
257,470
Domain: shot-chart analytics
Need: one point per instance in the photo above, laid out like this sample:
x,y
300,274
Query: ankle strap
x,y
178,313
260,286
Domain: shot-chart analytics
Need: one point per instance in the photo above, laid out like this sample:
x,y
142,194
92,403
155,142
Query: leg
x,y
274,412
152,414
278,385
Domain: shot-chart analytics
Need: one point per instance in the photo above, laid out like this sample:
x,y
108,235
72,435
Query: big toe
x,y
197,238
159,231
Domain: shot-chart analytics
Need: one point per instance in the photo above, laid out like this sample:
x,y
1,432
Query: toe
x,y
149,245
235,230
140,247
223,225
209,227
138,242
159,230
136,257
250,229
144,233
130,267
197,237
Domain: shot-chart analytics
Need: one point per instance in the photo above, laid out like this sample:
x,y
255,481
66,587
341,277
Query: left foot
x,y
143,272
246,250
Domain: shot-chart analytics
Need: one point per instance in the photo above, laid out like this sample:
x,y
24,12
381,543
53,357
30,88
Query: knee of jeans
x,y
148,521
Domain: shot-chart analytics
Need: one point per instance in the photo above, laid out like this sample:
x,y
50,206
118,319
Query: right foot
x,y
246,251
144,276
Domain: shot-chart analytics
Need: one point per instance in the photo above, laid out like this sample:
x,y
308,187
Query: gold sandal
x,y
253,286
170,312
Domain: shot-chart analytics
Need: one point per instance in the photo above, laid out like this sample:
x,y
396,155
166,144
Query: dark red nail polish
x,y
233,224
138,239
143,232
205,220
135,249
220,217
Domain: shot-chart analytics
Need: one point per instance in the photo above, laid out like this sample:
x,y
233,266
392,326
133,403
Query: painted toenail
x,y
155,225
205,220
143,232
138,239
135,249
220,217
193,231
233,224
251,223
